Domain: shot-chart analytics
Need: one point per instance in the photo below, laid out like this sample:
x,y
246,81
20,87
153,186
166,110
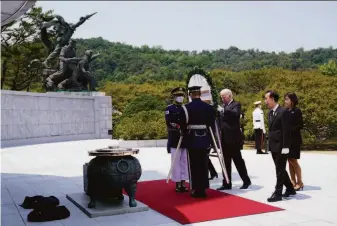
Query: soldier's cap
x,y
257,102
178,91
194,89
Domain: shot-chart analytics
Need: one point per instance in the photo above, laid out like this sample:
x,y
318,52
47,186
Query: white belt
x,y
196,127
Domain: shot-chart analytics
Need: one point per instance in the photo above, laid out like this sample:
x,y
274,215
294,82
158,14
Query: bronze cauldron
x,y
109,172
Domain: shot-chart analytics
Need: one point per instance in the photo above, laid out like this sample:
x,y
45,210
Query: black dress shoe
x,y
275,198
212,177
245,185
198,194
225,187
288,193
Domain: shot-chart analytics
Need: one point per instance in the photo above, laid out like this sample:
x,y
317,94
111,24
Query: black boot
x,y
225,187
183,187
180,187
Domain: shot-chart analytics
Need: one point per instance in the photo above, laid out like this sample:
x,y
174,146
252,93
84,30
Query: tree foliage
x,y
130,64
145,102
20,44
329,69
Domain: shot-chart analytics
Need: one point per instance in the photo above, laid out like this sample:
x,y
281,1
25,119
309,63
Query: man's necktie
x,y
271,115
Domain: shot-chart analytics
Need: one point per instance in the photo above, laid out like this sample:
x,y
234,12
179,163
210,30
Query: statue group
x,y
72,72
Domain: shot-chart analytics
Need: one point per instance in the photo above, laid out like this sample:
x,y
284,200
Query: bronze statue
x,y
64,31
73,72
67,66
82,73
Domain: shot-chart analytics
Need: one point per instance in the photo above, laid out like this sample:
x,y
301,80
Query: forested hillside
x,y
125,63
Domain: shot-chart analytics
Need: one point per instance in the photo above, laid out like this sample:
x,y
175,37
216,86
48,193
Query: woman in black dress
x,y
296,124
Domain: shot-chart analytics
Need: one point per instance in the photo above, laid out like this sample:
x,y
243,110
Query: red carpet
x,y
184,209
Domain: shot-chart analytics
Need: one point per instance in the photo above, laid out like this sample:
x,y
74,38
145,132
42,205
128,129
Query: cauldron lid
x,y
113,151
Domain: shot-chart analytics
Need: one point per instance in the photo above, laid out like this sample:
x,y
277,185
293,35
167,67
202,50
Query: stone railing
x,y
142,143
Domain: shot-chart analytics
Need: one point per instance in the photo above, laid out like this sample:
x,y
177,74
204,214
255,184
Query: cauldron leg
x,y
120,195
131,190
92,203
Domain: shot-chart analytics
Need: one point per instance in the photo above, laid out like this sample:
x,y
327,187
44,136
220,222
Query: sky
x,y
206,25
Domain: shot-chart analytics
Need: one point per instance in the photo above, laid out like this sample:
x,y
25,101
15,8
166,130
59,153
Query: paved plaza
x,y
56,169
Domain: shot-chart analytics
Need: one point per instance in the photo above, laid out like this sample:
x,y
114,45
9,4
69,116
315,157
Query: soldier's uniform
x,y
259,127
173,120
65,68
198,117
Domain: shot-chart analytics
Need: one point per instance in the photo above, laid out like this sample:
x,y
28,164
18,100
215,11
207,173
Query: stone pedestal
x,y
106,208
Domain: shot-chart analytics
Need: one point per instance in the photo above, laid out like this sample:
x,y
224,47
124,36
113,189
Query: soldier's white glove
x,y
220,109
285,151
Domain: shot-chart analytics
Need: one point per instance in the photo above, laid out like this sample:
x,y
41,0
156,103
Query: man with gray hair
x,y
231,139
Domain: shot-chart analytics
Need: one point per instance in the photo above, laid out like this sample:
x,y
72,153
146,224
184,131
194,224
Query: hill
x,y
125,63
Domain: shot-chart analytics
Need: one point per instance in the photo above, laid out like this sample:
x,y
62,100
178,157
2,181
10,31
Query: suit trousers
x,y
211,168
180,168
233,152
282,177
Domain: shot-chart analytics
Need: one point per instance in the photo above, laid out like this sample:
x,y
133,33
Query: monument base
x,y
111,208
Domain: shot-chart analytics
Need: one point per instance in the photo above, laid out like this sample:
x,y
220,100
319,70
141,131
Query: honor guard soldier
x,y
259,128
173,120
198,117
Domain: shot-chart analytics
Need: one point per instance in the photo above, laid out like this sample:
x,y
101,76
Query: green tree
x,y
146,102
329,69
20,45
145,125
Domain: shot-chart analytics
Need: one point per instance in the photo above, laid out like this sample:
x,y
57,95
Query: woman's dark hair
x,y
273,94
292,97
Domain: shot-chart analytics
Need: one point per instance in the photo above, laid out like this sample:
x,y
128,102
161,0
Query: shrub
x,y
145,102
144,125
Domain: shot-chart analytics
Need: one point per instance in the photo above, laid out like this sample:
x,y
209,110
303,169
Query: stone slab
x,y
30,118
81,200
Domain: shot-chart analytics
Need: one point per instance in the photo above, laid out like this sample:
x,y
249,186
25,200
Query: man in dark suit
x,y
198,117
231,139
279,142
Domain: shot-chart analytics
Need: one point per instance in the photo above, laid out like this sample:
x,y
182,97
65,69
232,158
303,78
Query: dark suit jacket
x,y
230,124
296,124
279,130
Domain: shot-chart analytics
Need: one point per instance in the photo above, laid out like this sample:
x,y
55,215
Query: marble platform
x,y
57,169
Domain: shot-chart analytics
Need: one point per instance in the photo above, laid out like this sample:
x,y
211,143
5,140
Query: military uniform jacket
x,y
258,119
198,115
173,114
